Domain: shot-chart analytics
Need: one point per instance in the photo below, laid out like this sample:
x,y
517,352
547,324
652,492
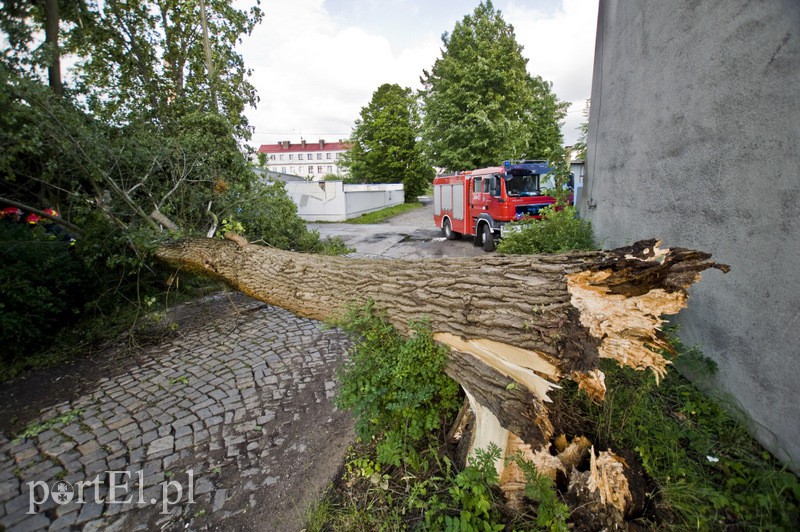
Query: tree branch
x,y
72,227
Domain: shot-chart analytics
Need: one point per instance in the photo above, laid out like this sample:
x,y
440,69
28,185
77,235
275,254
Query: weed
x,y
472,495
37,427
551,513
183,379
709,472
395,387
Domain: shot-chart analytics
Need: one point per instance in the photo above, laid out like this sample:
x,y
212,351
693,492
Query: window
x,y
522,185
319,169
494,189
281,156
328,155
283,169
319,156
310,169
299,156
272,157
291,156
330,169
476,185
487,182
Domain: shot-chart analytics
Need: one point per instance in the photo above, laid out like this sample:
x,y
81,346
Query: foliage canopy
x,y
384,145
144,142
481,106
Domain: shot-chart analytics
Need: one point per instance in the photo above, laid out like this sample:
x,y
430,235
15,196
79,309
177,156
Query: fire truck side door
x,y
484,198
476,203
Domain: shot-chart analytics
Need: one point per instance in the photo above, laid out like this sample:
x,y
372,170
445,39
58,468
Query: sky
x,y
316,63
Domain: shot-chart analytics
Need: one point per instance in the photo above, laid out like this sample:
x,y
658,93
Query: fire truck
x,y
480,203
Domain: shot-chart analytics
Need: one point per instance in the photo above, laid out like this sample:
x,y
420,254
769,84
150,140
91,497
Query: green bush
x,y
43,289
60,298
269,215
396,387
558,231
471,492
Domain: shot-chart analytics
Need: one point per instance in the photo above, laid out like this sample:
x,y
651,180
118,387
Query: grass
x,y
382,215
35,428
707,471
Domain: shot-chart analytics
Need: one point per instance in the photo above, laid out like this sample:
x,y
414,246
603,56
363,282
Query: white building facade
x,y
310,160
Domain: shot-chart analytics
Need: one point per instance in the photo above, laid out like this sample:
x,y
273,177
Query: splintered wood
x,y
628,327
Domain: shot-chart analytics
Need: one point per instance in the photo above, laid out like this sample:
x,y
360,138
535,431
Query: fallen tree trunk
x,y
516,324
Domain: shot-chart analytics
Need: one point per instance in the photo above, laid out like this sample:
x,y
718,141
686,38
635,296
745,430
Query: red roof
x,y
298,147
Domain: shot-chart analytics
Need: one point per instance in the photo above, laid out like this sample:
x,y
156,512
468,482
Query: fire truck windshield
x,y
522,185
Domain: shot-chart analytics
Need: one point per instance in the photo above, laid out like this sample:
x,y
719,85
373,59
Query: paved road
x,y
411,235
238,409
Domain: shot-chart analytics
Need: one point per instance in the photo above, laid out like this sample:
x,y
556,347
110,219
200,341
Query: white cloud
x,y
560,48
313,78
314,71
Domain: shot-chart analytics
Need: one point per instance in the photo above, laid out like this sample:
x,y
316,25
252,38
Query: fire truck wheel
x,y
487,239
447,229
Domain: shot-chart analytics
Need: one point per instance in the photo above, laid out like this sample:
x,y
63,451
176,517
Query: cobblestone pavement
x,y
237,415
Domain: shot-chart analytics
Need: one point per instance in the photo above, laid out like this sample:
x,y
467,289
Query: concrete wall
x,y
361,199
694,137
333,201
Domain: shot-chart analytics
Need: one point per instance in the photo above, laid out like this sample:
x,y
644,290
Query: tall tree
x,y
148,59
384,145
23,21
480,104
153,147
507,351
51,31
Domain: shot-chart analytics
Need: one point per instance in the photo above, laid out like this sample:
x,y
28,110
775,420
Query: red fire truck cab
x,y
479,203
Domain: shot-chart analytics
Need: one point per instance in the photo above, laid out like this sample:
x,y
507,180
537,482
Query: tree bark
x,y
51,38
516,325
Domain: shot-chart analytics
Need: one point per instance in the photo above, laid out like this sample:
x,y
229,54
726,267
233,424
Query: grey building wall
x,y
694,137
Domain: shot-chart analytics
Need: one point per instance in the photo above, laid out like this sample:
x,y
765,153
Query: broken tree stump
x,y
516,325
